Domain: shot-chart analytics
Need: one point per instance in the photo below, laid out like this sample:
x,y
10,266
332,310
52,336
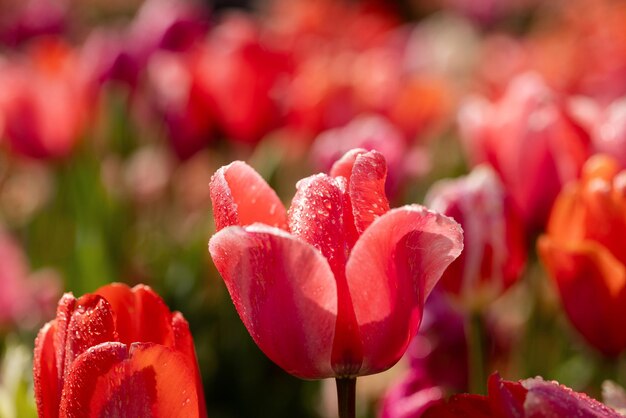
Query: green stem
x,y
476,354
346,396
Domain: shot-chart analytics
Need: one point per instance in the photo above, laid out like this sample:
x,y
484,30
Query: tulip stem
x,y
346,396
476,354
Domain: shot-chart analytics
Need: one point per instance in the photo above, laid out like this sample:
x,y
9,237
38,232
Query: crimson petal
x,y
148,380
284,292
91,323
47,392
184,344
141,315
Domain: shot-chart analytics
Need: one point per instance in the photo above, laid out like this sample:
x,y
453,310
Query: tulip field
x,y
313,208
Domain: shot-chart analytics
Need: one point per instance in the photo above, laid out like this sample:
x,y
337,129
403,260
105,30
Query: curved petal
x,y
316,217
147,380
284,292
592,286
549,399
47,390
65,307
240,196
392,269
343,166
184,344
506,398
367,189
366,172
91,323
141,315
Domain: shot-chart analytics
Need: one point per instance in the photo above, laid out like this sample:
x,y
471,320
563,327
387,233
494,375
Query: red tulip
x,y
116,352
495,247
239,73
530,398
529,140
43,101
335,286
584,253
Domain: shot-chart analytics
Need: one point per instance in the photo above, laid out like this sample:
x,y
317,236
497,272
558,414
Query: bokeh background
x,y
115,113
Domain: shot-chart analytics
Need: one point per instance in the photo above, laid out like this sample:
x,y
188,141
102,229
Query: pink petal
x,y
285,294
141,315
392,269
316,216
240,196
549,399
47,392
147,380
366,172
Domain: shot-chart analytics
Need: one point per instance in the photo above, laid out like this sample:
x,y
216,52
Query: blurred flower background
x,y
115,114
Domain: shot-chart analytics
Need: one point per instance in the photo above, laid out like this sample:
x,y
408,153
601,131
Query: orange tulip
x,y
585,254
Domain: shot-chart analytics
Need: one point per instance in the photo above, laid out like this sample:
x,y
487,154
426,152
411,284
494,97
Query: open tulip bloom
x,y
335,286
118,352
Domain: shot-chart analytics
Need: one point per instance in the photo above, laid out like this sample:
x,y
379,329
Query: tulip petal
x,y
141,315
184,344
91,313
549,399
366,172
592,286
47,391
284,292
147,380
343,166
64,314
316,216
506,398
392,269
240,196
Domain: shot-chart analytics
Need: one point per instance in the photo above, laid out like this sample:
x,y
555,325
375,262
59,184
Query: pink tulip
x,y
495,247
530,141
335,286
